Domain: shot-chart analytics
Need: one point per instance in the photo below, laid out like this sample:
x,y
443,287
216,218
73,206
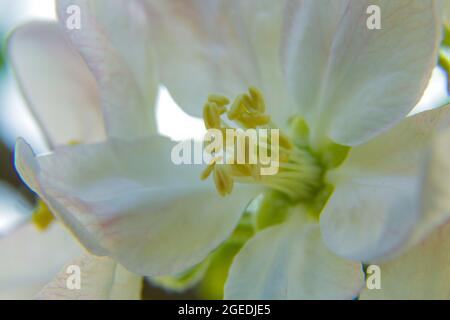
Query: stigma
x,y
254,150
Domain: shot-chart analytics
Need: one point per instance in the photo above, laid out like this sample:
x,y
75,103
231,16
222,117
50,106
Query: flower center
x,y
299,173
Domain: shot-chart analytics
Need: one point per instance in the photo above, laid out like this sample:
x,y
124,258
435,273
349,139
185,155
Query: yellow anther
x,y
248,102
241,170
252,120
257,99
42,216
237,108
223,181
221,101
207,172
211,116
299,173
221,109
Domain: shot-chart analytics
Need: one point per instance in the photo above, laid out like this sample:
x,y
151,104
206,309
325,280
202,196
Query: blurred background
x,y
16,201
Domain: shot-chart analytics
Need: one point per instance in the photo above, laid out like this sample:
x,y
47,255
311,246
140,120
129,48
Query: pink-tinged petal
x,y
126,199
57,84
114,40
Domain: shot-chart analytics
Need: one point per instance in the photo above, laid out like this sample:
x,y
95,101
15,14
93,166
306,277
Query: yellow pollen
x,y
211,116
42,216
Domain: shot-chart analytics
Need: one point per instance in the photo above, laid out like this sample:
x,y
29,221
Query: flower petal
x,y
290,261
29,259
446,11
219,46
435,188
66,104
126,199
402,149
114,40
379,190
421,273
100,279
369,216
341,72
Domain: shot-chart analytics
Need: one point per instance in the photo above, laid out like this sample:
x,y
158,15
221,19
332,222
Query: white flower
x,y
311,59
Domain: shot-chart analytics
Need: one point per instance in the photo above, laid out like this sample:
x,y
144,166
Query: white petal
x,y
435,187
100,279
114,40
402,149
29,259
421,273
446,11
219,46
127,200
290,261
369,216
351,82
66,103
381,199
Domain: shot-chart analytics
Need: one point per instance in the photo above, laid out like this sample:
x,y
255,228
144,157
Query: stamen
x,y
237,108
258,100
298,174
223,181
207,172
253,120
211,116
221,101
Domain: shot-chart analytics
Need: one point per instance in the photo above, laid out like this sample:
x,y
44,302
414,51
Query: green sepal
x,y
271,208
299,131
334,154
316,206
